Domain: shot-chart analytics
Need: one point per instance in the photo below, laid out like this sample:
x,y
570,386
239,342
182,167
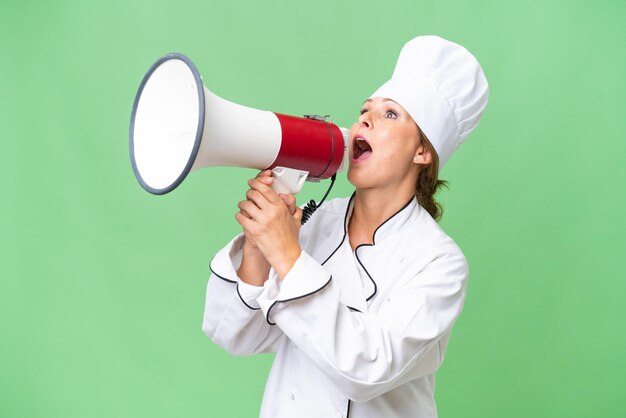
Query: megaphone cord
x,y
312,206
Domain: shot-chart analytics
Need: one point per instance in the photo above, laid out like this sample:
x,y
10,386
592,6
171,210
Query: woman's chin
x,y
359,178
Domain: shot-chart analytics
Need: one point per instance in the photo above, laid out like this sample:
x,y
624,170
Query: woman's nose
x,y
364,121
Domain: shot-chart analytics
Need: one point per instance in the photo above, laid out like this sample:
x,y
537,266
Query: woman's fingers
x,y
260,196
298,215
290,201
264,174
266,190
257,198
265,177
244,222
248,208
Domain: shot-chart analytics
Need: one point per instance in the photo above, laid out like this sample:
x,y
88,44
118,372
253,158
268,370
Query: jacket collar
x,y
392,225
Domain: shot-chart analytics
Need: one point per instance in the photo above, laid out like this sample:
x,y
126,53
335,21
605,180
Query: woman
x,y
359,303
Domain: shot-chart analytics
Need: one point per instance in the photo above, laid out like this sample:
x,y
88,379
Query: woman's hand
x,y
271,223
264,177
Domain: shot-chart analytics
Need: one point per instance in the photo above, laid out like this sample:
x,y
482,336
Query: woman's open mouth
x,y
361,149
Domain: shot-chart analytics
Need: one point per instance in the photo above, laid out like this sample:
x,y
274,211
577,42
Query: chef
x,y
358,304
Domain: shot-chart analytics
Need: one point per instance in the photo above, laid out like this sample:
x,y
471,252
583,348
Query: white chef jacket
x,y
356,334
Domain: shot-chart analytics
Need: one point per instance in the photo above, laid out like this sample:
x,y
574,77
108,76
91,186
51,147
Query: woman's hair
x,y
428,182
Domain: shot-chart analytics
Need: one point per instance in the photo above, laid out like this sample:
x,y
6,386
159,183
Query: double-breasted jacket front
x,y
356,333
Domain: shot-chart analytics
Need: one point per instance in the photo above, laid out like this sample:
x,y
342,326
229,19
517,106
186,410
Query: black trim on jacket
x,y
267,317
345,233
234,282
220,276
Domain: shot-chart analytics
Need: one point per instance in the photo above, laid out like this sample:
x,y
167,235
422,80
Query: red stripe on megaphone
x,y
310,145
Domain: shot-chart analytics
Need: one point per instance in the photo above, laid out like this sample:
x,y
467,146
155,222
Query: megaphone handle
x,y
288,180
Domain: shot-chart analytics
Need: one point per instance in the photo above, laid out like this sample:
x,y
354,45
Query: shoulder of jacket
x,y
426,232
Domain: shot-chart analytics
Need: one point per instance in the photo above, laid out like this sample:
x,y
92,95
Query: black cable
x,y
311,207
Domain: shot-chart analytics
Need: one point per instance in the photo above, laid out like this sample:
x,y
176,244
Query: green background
x,y
102,284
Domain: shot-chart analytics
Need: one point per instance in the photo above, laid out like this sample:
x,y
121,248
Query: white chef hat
x,y
442,86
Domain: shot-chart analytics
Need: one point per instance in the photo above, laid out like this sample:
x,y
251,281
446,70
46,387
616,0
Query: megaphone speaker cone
x,y
167,123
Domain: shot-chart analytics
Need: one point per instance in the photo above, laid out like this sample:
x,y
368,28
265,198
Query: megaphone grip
x,y
288,180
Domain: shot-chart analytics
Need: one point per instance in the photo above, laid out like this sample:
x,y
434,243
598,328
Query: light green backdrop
x,y
101,292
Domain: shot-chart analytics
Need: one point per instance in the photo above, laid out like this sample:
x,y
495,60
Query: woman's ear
x,y
422,156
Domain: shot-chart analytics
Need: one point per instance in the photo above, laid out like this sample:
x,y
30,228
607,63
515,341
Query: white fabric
x,y
364,332
442,86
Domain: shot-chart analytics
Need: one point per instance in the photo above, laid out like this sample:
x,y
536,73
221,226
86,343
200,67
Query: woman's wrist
x,y
254,268
283,263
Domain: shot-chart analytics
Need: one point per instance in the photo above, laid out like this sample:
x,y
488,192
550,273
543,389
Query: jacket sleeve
x,y
366,354
232,317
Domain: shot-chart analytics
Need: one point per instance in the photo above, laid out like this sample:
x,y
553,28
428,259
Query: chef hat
x,y
441,85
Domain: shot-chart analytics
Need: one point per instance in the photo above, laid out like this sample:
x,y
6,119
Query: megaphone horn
x,y
178,125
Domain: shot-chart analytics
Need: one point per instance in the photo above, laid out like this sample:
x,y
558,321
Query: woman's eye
x,y
390,114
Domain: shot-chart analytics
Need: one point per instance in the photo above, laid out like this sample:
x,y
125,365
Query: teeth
x,y
361,146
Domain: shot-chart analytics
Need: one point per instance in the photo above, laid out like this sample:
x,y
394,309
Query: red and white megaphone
x,y
178,126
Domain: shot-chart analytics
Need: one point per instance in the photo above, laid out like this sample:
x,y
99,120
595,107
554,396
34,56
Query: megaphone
x,y
178,126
